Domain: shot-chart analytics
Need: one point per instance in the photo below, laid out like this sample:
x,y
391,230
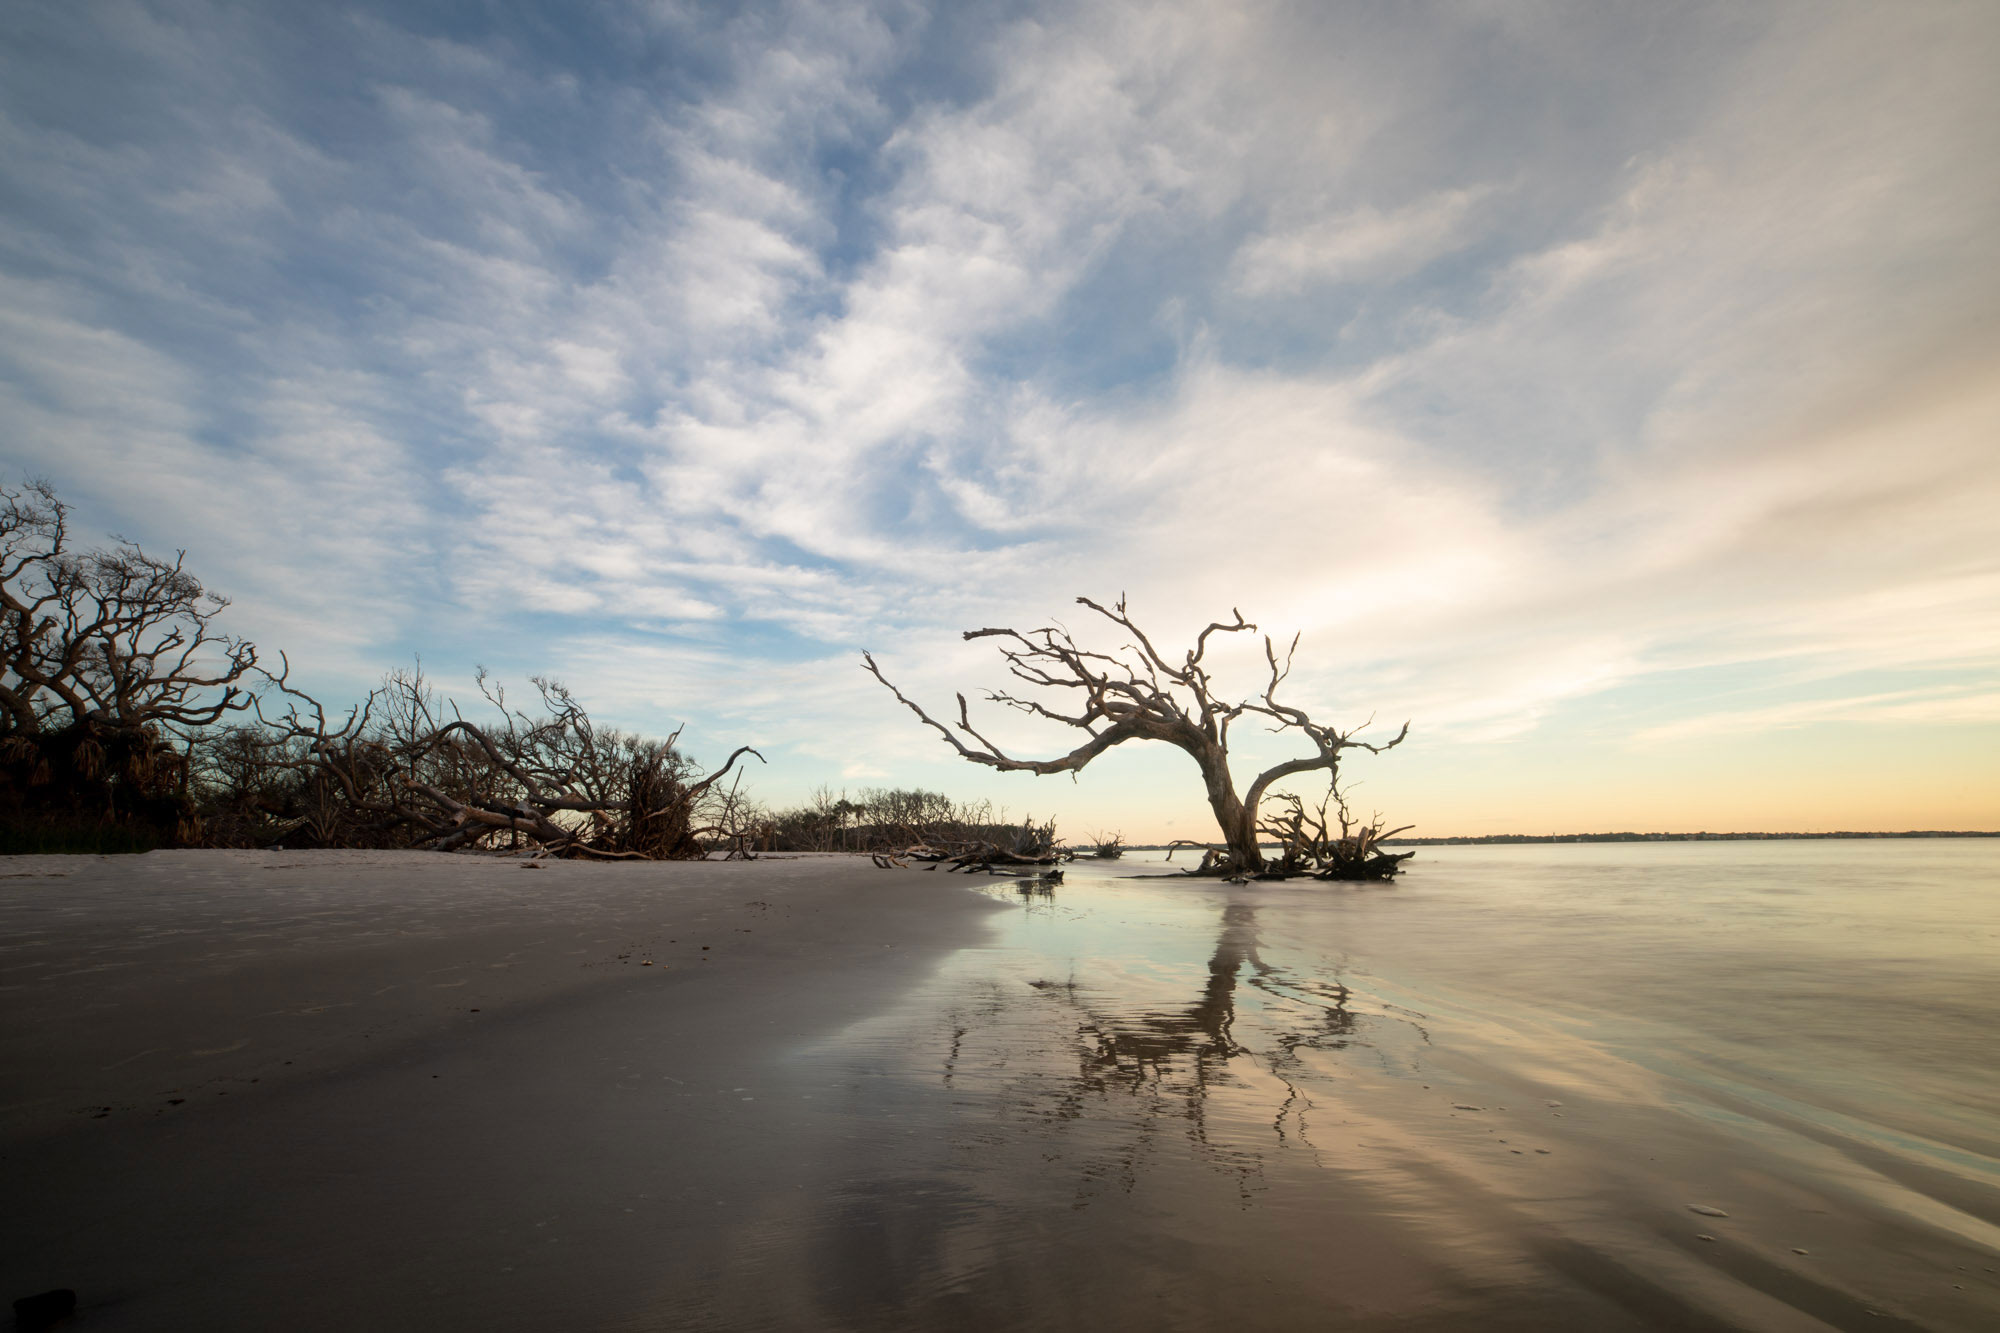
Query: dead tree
x,y
1308,843
107,656
404,761
1136,692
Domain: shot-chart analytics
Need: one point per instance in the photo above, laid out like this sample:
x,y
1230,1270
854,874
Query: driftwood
x,y
1309,846
1136,692
970,856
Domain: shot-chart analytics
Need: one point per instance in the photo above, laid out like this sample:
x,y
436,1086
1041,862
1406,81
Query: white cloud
x,y
1361,245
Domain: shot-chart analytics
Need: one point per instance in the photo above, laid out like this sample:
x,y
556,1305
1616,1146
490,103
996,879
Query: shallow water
x,y
1491,1095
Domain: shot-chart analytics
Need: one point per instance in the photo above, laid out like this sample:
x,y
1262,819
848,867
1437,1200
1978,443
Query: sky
x,y
1611,391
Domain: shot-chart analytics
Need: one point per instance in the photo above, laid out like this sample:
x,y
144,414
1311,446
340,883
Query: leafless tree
x,y
108,638
107,657
403,760
736,825
1136,692
1309,843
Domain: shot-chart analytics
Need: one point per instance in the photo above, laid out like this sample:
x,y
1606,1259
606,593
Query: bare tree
x,y
107,656
1308,843
405,761
117,689
1136,692
109,638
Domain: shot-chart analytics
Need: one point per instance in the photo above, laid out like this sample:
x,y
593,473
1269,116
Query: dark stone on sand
x,y
44,1309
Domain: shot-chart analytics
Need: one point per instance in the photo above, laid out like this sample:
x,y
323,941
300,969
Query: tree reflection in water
x,y
1140,1070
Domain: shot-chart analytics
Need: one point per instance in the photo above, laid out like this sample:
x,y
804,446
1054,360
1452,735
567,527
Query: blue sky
x,y
1609,389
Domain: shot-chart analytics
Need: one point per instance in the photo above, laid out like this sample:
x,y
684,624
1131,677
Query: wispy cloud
x,y
1361,245
1949,705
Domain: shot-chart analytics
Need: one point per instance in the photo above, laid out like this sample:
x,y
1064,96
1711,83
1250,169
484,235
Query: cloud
x,y
707,347
1928,707
1361,245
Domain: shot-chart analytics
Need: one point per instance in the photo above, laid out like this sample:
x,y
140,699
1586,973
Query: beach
x,y
407,1090
353,1089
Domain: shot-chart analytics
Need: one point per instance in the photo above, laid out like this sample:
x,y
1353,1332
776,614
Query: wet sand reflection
x,y
1152,1107
1141,1062
1175,1056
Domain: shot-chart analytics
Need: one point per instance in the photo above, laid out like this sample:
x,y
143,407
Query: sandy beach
x,y
374,1090
404,1090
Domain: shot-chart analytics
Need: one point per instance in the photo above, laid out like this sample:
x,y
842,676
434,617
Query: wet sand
x,y
371,1090
403,1091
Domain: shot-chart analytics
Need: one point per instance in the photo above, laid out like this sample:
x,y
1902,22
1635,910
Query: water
x,y
1492,1094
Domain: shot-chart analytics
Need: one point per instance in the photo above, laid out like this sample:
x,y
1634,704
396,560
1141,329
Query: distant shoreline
x,y
1505,839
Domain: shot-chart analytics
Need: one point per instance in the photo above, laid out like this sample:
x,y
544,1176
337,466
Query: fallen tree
x,y
402,762
1135,692
1308,843
1031,848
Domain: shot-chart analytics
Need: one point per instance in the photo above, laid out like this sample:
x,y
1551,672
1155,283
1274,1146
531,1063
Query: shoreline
x,y
1539,839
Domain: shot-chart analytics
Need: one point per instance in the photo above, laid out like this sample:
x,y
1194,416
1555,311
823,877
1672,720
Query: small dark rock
x,y
44,1309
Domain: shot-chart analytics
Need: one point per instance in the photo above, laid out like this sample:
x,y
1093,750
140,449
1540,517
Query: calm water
x,y
1492,1095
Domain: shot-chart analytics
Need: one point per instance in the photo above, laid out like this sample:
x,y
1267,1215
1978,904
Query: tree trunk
x,y
1238,825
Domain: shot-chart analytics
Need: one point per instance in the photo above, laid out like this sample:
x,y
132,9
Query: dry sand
x,y
401,1090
